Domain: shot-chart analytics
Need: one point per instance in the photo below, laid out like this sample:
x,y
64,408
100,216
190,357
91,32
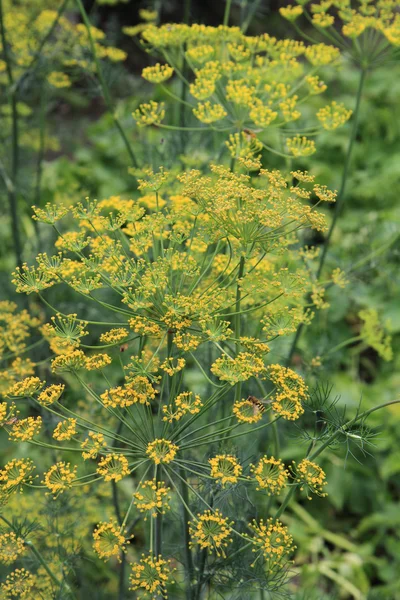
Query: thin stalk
x,y
341,195
12,189
40,156
227,12
103,84
186,536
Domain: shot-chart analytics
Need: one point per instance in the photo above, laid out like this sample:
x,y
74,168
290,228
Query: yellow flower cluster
x,y
150,577
225,468
15,328
272,540
248,411
271,474
113,467
24,430
151,113
26,387
65,430
206,112
11,546
240,368
138,390
161,451
333,115
18,584
211,531
59,478
374,334
93,445
109,540
14,475
291,390
185,403
51,394
249,81
172,365
311,477
158,73
152,496
114,336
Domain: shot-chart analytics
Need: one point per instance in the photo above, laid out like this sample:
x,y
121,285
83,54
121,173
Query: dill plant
x,y
183,394
184,293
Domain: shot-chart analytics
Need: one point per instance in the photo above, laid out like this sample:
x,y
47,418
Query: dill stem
x,y
341,195
103,84
227,12
11,184
186,535
40,157
158,523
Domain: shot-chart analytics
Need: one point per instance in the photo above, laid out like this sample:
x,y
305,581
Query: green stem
x,y
186,535
12,189
341,195
40,156
103,84
227,12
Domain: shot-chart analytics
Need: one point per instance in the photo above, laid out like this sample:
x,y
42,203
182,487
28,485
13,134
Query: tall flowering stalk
x,y
197,262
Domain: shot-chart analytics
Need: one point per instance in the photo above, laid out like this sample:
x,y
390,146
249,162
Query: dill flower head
x,y
97,362
333,115
158,73
51,394
374,334
19,584
50,213
310,477
151,113
172,365
113,467
15,474
184,403
25,429
11,546
211,531
152,496
240,368
225,468
59,478
273,541
69,362
291,391
162,451
291,13
248,411
114,336
270,474
206,112
150,577
65,430
109,540
93,445
30,280
26,387
138,390
300,146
